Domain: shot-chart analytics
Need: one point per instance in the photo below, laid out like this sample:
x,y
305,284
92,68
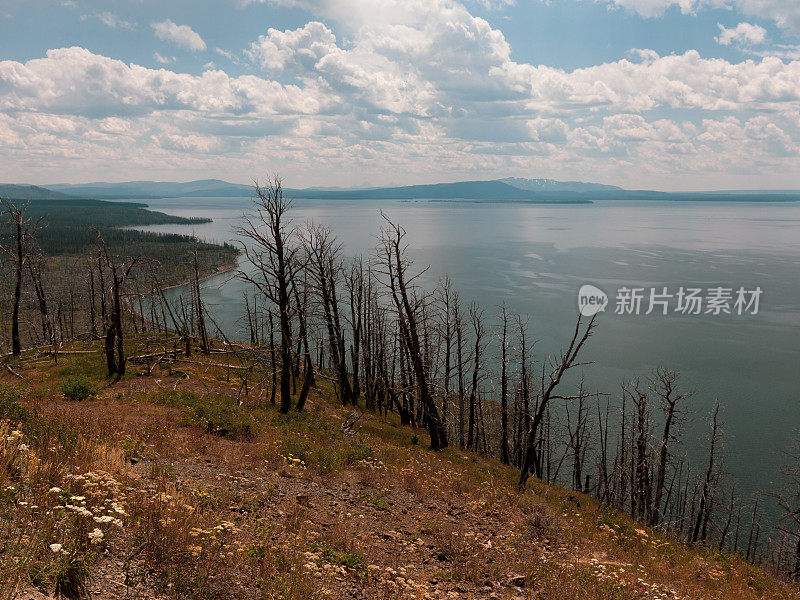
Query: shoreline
x,y
217,271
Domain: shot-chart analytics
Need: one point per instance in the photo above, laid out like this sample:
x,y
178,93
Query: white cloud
x,y
181,35
744,34
784,13
163,59
656,8
110,20
76,81
430,90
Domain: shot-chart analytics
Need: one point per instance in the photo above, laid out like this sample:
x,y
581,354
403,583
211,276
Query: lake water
x,y
536,257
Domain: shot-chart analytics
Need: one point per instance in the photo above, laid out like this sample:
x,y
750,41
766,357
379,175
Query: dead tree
x,y
700,528
446,333
788,500
408,305
478,330
302,314
523,390
35,269
577,430
17,250
641,490
323,252
272,253
663,383
458,323
202,332
504,451
119,272
566,361
354,283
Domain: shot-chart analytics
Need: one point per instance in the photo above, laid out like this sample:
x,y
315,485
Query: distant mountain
x,y
10,191
551,185
511,189
490,191
155,189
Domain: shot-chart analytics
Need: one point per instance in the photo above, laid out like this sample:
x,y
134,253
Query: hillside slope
x,y
177,484
10,191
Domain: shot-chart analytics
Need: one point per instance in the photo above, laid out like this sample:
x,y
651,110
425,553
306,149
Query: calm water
x,y
537,257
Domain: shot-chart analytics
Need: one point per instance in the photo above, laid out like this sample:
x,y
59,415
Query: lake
x,y
536,257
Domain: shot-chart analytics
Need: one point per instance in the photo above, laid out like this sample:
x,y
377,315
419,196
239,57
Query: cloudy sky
x,y
664,94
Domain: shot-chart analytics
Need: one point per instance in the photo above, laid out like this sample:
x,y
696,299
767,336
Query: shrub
x,y
78,388
356,453
349,560
87,365
223,420
10,408
72,577
175,398
296,448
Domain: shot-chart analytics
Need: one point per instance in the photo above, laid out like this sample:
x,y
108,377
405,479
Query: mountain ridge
x,y
509,189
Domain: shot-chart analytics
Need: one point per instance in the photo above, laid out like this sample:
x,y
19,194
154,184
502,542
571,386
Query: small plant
x,y
225,421
356,453
78,388
350,560
378,503
72,576
10,409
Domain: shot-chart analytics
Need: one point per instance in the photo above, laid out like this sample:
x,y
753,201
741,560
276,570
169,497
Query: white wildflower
x,y
96,536
55,548
104,519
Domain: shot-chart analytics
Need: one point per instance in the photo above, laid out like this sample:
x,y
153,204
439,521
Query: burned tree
x,y
272,252
700,529
408,304
566,361
789,503
17,251
663,382
119,273
476,316
504,344
323,262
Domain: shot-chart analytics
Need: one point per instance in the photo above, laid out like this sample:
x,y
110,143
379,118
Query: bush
x,y
78,388
226,421
10,408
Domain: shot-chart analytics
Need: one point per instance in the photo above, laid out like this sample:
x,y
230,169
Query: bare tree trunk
x,y
22,231
504,453
704,509
273,254
396,263
566,361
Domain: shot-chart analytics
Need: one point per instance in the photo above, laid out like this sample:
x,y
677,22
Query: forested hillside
x,y
64,243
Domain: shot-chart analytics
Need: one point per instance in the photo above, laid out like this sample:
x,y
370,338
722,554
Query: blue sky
x,y
667,94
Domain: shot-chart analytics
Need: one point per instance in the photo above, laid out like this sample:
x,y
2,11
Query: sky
x,y
646,94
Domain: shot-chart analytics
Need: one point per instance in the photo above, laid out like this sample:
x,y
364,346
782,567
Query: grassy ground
x,y
172,485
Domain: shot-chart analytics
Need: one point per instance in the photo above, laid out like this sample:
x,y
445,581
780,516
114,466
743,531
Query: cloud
x,y
784,13
414,86
110,20
163,59
181,35
77,81
744,34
